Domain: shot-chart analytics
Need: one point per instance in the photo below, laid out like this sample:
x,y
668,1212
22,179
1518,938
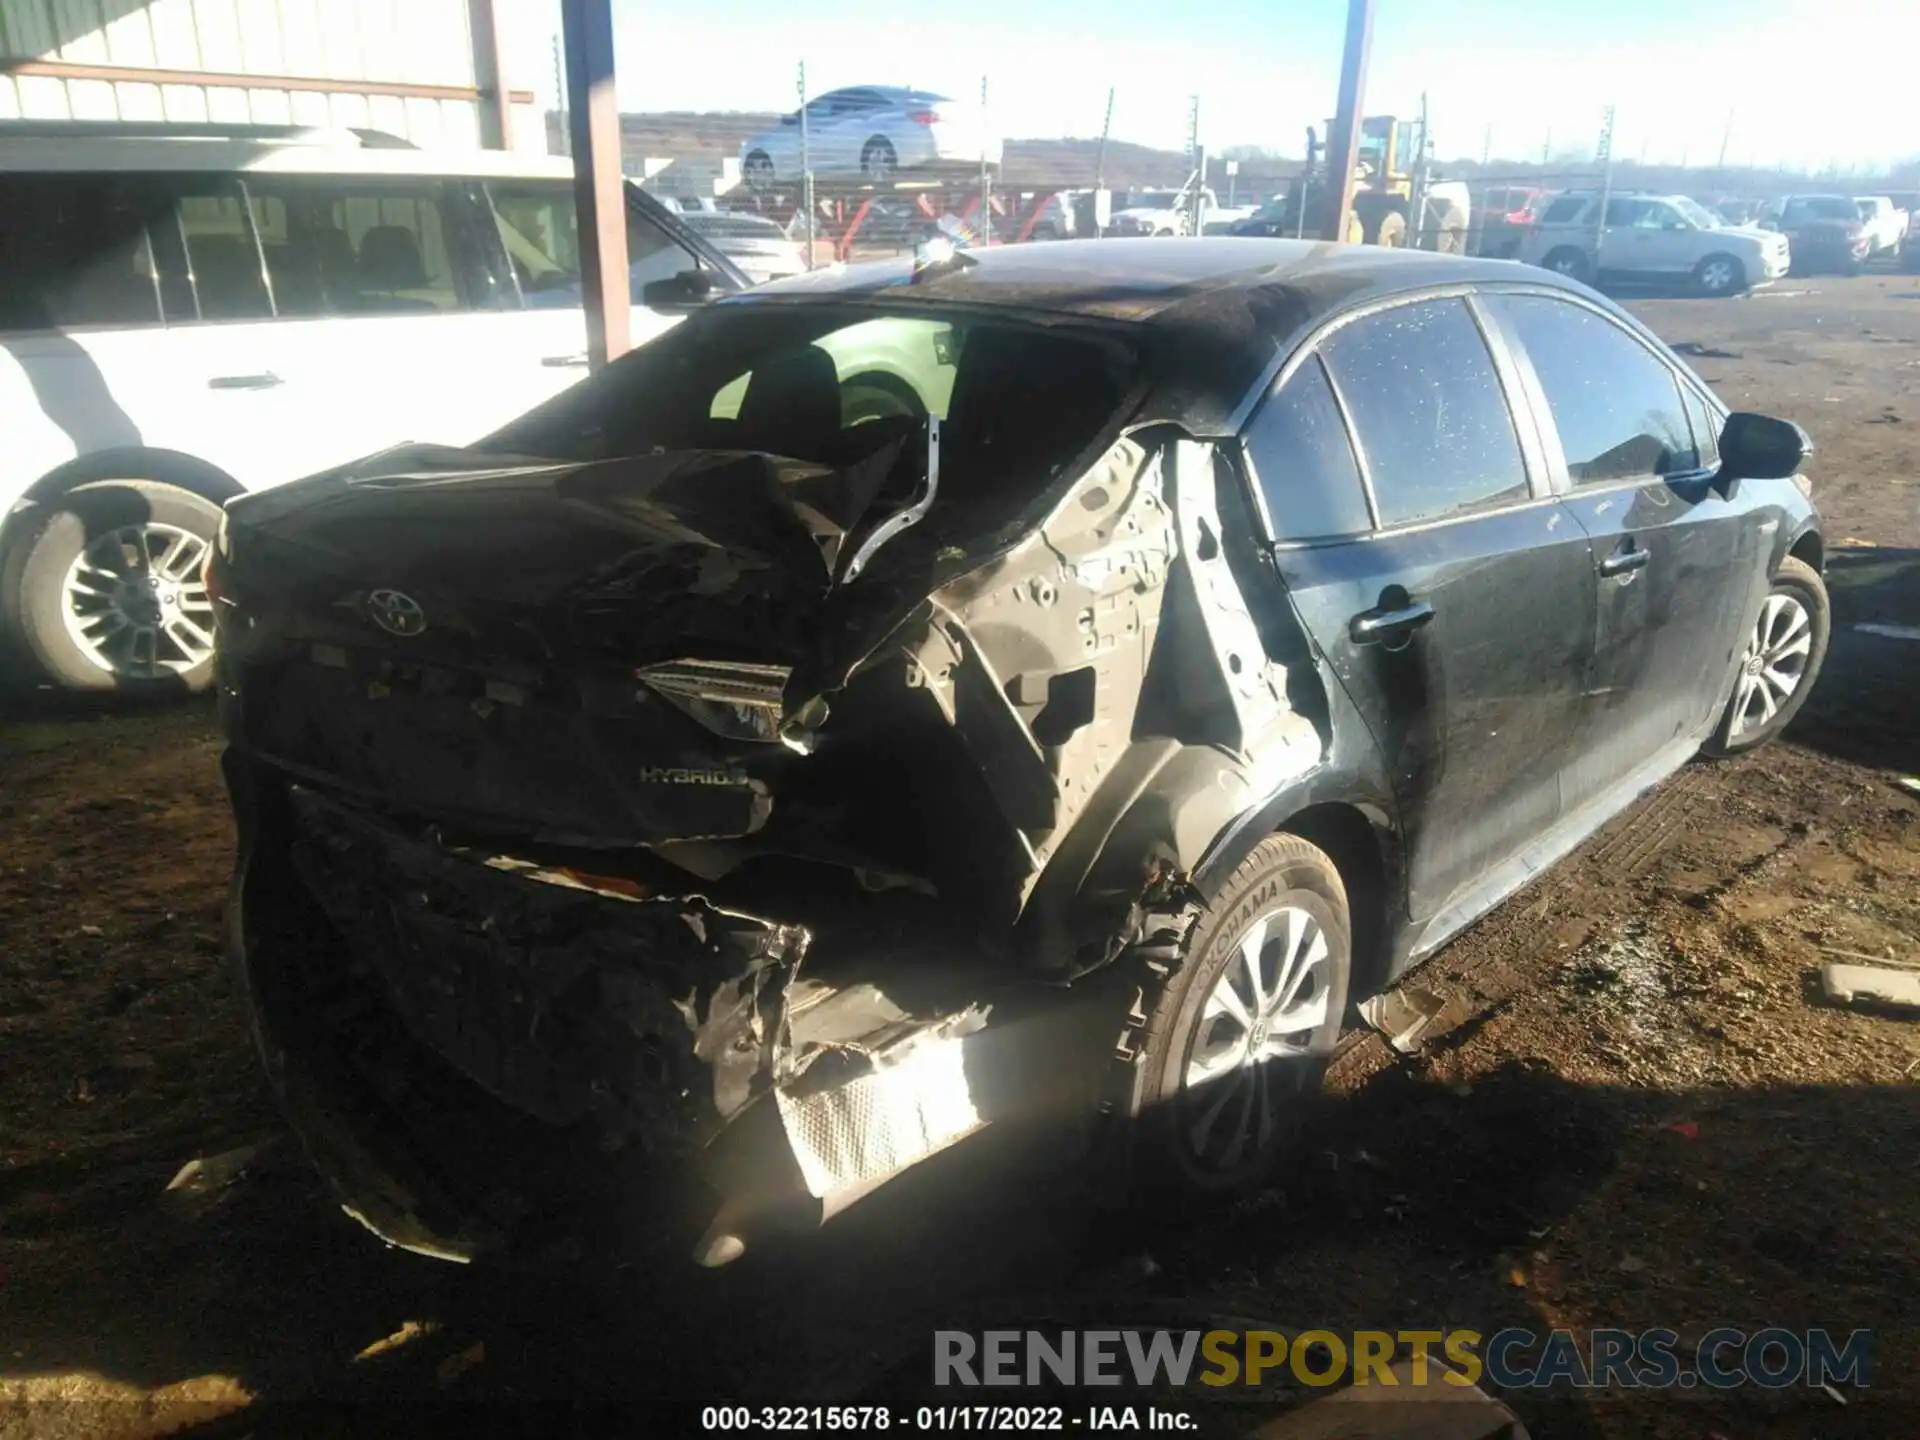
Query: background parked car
x,y
1651,238
1884,223
761,249
186,319
871,133
1825,231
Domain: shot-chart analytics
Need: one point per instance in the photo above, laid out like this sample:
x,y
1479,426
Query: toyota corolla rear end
x,y
567,904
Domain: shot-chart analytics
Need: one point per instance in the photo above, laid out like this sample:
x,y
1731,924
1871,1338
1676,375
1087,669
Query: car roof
x,y
1141,279
1229,307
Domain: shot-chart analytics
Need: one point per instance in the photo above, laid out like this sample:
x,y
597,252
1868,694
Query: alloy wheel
x,y
1249,1048
134,603
1717,277
1775,663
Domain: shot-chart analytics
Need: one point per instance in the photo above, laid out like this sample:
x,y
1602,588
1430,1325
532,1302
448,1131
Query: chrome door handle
x,y
266,380
1625,560
564,362
1372,627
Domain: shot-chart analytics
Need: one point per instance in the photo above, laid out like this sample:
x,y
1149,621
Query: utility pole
x,y
1603,154
1546,148
1196,164
1343,145
806,163
1486,147
1100,166
986,198
1720,166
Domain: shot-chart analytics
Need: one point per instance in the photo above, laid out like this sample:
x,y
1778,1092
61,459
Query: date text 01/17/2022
x,y
985,1419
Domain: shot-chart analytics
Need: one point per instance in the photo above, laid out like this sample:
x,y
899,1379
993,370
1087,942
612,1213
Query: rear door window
x,y
347,246
223,265
74,252
1564,211
1303,461
1616,405
1428,410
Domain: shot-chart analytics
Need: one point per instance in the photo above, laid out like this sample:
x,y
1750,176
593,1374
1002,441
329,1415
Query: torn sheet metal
x,y
1404,1016
1871,985
868,1109
659,1016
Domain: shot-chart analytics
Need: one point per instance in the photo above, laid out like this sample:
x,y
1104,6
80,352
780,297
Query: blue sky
x,y
1806,82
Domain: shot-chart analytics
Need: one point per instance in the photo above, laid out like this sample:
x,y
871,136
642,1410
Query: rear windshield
x,y
836,385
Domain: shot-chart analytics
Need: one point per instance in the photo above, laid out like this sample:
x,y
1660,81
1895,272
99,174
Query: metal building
x,y
426,70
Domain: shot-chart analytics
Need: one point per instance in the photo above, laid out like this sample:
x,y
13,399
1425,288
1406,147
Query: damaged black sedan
x,y
1053,683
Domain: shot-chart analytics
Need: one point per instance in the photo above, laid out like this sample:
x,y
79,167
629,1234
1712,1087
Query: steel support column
x,y
489,76
593,122
1343,145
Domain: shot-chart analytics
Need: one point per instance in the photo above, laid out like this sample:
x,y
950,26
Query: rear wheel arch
x,y
1358,846
134,462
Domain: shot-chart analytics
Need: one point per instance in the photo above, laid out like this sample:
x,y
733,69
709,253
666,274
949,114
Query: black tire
x,y
878,160
1801,583
1392,231
1568,261
1181,966
34,571
1720,276
876,395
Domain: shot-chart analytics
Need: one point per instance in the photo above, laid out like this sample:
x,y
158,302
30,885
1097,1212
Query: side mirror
x,y
678,292
1761,447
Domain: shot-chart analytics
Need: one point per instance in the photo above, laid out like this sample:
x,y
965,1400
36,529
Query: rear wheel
x,y
1392,232
876,395
1230,1034
1569,262
102,590
878,160
1782,659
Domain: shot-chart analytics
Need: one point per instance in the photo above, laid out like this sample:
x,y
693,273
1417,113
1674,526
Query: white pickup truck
x,y
1160,212
1885,223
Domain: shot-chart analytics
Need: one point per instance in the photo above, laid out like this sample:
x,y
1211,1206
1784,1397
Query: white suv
x,y
1651,238
187,313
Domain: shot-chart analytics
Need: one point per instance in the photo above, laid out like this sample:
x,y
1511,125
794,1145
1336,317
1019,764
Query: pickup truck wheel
x,y
1719,276
102,592
1233,1022
1781,661
1569,262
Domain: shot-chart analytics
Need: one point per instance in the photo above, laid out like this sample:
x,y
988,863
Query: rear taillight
x,y
1519,217
924,117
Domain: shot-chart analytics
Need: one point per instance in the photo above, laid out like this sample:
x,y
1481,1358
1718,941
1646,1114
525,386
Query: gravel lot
x,y
1638,1112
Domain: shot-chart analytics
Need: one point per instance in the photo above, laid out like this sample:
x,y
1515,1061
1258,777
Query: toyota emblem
x,y
396,612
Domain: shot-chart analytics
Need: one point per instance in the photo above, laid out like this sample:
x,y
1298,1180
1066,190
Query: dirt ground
x,y
1636,1113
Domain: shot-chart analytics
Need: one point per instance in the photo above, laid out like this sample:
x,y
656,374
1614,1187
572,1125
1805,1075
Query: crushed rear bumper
x,y
485,1057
